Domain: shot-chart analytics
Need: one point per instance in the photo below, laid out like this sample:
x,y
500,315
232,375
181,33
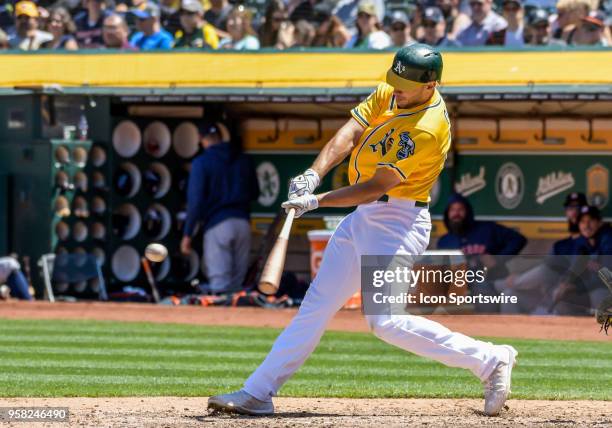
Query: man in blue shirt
x,y
222,184
480,241
150,34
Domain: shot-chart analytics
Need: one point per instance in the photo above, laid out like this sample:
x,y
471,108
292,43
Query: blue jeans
x,y
19,286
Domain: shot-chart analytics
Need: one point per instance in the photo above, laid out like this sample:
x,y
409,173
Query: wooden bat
x,y
150,278
250,279
273,269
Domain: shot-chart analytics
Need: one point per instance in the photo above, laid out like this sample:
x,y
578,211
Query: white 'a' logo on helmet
x,y
399,67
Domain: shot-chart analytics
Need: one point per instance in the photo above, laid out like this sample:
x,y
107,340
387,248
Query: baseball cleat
x,y
497,386
241,402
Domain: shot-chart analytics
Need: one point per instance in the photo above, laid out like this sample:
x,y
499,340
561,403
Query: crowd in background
x,y
282,24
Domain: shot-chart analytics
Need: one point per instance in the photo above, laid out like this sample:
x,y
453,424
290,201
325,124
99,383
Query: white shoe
x,y
241,402
497,386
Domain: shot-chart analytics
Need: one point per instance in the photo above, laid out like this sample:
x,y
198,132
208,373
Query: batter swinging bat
x,y
273,269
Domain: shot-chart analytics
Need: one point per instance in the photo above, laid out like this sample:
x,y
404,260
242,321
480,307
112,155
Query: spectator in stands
x,y
569,14
581,288
399,29
347,11
218,13
241,33
480,241
195,31
170,15
89,24
4,43
222,184
513,35
456,19
276,31
150,35
115,33
534,287
304,34
7,21
301,10
589,31
537,29
369,29
434,29
11,275
61,26
484,22
331,33
26,35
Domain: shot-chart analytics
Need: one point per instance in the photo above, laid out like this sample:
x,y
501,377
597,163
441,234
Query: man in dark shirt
x,y
222,184
480,241
580,289
89,24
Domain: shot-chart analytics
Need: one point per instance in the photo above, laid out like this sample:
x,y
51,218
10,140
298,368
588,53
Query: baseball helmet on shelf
x,y
414,66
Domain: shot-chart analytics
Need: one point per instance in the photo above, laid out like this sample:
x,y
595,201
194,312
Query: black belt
x,y
419,204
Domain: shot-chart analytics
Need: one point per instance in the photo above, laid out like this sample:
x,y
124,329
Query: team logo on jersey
x,y
509,185
407,146
399,67
598,185
384,144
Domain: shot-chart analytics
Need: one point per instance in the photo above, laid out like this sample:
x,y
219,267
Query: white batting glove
x,y
304,184
301,204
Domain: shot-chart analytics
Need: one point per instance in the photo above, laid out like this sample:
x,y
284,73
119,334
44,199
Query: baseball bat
x,y
150,278
273,269
250,279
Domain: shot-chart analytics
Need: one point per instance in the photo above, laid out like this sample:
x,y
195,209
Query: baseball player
x,y
398,139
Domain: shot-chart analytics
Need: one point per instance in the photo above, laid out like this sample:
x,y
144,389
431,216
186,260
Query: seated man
x,y
479,241
533,287
580,289
150,35
10,273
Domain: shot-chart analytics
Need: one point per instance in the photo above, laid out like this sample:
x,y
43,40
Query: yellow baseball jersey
x,y
411,142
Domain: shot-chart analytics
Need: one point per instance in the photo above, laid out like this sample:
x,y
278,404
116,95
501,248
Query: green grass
x,y
89,358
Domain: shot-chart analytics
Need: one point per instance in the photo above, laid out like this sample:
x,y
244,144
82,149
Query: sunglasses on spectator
x,y
541,27
475,4
398,27
429,24
279,18
592,28
363,15
511,8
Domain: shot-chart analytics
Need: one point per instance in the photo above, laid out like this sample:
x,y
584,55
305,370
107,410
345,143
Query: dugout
x,y
528,127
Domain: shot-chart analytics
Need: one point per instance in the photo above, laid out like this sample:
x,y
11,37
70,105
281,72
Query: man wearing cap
x,y
27,36
347,10
434,29
512,36
484,22
398,139
581,288
589,31
222,184
195,32
537,29
369,34
399,29
534,287
150,35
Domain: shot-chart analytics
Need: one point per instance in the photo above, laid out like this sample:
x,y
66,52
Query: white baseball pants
x,y
379,228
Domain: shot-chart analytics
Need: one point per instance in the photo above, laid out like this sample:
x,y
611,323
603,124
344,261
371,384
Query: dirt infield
x,y
300,412
513,326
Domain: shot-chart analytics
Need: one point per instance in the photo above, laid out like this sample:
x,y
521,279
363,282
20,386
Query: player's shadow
x,y
285,415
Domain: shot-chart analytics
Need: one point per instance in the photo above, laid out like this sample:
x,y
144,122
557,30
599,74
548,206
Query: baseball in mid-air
x,y
156,253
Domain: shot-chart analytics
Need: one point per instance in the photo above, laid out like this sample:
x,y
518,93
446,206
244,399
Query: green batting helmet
x,y
415,65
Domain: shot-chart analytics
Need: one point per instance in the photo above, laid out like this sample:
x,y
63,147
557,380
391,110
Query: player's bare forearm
x,y
360,193
338,148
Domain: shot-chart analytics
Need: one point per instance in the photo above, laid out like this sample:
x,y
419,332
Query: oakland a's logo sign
x,y
406,146
399,67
